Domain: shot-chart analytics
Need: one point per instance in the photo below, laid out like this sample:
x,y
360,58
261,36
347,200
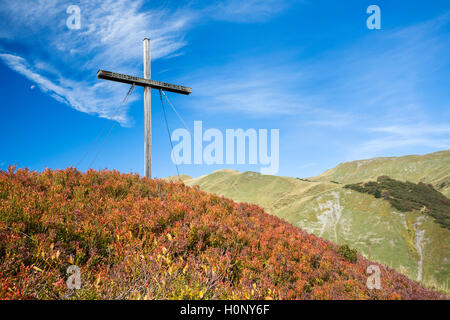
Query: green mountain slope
x,y
411,242
431,168
409,196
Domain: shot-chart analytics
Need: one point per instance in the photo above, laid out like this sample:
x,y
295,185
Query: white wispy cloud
x,y
396,144
247,11
395,137
414,130
64,62
244,87
380,77
387,92
109,38
384,74
401,89
81,96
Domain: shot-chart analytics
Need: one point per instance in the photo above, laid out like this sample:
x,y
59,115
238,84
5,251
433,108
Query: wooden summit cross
x,y
147,83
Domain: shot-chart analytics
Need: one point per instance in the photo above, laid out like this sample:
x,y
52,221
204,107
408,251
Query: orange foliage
x,y
137,238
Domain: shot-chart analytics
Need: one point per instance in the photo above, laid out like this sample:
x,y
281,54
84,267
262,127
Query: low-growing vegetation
x,y
408,196
138,238
347,253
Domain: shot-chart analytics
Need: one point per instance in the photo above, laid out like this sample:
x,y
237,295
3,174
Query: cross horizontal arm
x,y
119,77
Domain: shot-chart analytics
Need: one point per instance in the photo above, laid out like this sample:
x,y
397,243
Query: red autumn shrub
x,y
137,238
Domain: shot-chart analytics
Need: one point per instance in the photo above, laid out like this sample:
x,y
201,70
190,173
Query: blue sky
x,y
336,90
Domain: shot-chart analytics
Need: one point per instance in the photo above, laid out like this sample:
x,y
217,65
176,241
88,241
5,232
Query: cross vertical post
x,y
147,111
148,84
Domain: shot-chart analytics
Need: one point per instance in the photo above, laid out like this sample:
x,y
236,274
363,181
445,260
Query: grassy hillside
x,y
181,177
137,238
431,168
271,192
411,242
408,196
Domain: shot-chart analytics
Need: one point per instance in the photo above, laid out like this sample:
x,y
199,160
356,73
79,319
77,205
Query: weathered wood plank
x,y
119,77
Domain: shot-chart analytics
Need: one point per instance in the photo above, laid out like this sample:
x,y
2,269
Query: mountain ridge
x,y
321,205
431,168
